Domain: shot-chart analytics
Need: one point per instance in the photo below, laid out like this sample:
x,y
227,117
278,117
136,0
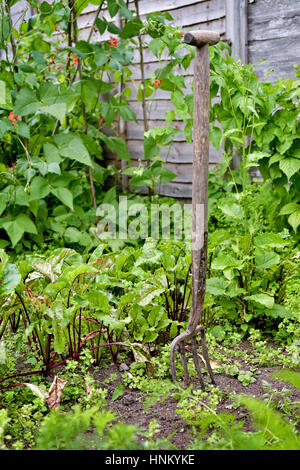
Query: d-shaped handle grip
x,y
199,38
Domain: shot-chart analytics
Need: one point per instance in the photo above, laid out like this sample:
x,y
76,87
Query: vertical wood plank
x,y
237,28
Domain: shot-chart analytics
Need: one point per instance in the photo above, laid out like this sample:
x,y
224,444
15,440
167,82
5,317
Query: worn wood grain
x,y
201,37
279,54
180,152
274,35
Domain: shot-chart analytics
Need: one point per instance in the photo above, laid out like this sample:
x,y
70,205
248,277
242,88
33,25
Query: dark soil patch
x,y
130,407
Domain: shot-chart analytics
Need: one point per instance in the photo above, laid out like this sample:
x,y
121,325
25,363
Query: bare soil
x,y
130,407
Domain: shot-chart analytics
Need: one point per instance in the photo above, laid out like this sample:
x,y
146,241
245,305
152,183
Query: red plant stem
x,y
11,386
78,354
167,305
79,331
35,336
74,335
70,341
53,359
41,371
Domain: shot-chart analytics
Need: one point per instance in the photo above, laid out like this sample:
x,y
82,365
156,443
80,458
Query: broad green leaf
x,y
4,27
289,208
155,316
131,28
216,286
71,146
90,89
265,260
101,25
156,46
98,300
39,188
224,261
23,130
262,299
5,101
151,149
51,153
9,279
72,273
26,102
3,202
215,136
59,337
141,180
273,240
218,332
57,110
101,57
45,8
64,195
54,168
118,392
116,144
4,127
150,335
113,7
2,91
232,209
163,175
126,113
40,45
113,28
289,166
26,223
22,198
294,220
148,298
279,311
14,231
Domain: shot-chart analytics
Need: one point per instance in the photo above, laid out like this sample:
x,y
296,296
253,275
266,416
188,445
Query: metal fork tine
x,y
197,363
184,364
205,355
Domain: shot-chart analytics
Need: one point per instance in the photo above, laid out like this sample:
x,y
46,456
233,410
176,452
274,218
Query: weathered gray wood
x,y
274,35
273,9
155,108
177,190
237,28
280,55
180,152
199,212
200,12
201,37
165,5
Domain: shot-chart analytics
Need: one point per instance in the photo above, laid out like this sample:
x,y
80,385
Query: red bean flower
x,y
13,117
113,41
101,121
181,33
158,82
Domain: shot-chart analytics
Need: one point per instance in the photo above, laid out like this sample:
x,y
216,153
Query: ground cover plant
x,y
86,320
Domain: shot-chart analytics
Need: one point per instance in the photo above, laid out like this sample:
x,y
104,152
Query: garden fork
x,y
202,40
